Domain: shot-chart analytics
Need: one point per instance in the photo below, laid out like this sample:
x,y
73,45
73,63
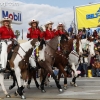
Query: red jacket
x,y
34,33
58,32
49,34
6,33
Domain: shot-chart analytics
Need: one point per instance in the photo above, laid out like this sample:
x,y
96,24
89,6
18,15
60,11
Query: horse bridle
x,y
54,50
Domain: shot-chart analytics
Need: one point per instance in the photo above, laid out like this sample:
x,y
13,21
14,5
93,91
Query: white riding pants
x,y
4,54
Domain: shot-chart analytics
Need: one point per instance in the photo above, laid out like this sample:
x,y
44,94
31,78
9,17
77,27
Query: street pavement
x,y
88,88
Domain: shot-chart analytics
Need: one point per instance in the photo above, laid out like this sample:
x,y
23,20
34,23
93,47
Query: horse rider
x,y
61,31
34,32
49,33
6,34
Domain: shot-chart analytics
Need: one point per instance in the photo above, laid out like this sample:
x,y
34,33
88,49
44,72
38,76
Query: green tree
x,y
17,33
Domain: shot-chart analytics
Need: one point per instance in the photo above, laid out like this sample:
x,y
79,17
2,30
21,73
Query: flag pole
x,y
74,21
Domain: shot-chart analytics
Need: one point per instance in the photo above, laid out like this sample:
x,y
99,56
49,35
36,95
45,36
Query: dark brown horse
x,y
61,59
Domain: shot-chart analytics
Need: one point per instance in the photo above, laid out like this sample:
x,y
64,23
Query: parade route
x,y
88,88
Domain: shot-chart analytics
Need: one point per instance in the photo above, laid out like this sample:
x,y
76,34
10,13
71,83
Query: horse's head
x,y
88,44
64,37
39,45
64,47
42,47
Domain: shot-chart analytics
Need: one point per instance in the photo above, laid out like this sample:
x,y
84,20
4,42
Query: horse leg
x,y
29,79
61,68
29,82
47,81
59,75
42,83
14,80
74,81
55,78
34,77
74,76
20,87
57,82
2,85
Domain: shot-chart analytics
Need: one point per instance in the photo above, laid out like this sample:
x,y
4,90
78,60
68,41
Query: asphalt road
x,y
88,88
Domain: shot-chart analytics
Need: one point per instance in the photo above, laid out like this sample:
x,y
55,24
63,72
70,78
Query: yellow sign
x,y
88,16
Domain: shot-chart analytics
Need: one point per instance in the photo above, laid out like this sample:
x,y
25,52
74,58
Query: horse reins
x,y
19,45
22,49
54,50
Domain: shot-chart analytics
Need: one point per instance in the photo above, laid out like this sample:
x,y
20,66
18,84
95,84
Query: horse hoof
x,y
23,97
43,91
39,87
75,85
65,87
8,96
28,86
60,90
16,93
71,83
10,87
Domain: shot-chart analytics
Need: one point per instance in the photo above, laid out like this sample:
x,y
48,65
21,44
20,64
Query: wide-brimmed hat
x,y
60,24
6,19
33,21
48,22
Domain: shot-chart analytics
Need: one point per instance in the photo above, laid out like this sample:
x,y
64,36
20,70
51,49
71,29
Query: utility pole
x,y
22,34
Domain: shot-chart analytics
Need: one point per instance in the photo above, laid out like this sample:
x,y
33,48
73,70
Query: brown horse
x,y
61,59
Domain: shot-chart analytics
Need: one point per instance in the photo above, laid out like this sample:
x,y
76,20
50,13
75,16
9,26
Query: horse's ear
x,y
39,39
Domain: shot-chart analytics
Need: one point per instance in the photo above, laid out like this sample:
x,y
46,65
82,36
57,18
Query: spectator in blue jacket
x,y
89,32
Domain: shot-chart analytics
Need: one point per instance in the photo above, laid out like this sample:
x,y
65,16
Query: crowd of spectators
x,y
95,60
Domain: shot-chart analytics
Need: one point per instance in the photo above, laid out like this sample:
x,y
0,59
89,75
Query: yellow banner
x,y
88,16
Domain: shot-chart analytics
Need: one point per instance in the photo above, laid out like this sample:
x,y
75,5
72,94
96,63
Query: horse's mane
x,y
51,45
77,44
70,44
53,42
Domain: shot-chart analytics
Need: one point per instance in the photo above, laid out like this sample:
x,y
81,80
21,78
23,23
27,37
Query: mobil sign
x,y
15,15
